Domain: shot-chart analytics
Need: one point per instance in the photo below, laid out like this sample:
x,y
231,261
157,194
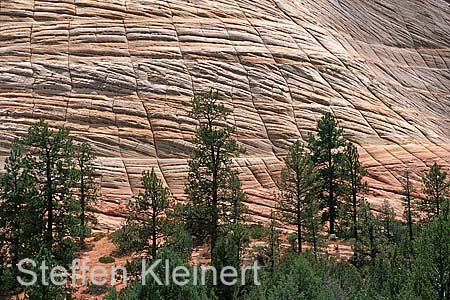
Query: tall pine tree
x,y
19,219
387,219
210,170
39,213
409,205
356,187
327,154
370,236
51,153
148,212
437,191
296,183
432,265
84,158
17,215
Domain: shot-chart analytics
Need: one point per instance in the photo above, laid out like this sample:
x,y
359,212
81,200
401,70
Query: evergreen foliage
x,y
327,152
353,173
210,174
147,221
296,184
48,187
437,191
409,203
87,186
40,215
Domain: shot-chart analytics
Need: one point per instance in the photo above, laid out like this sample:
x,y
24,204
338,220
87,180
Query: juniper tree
x,y
84,157
209,168
327,154
297,181
150,289
408,203
353,172
437,191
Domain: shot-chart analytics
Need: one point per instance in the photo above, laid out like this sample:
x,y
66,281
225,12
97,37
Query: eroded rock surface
x,y
120,74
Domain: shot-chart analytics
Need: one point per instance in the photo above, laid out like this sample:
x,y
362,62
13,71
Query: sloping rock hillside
x,y
121,73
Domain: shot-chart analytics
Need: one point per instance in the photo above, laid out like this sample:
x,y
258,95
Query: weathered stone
x,y
121,74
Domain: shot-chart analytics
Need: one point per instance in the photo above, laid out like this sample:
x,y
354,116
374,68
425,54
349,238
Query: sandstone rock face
x,y
121,73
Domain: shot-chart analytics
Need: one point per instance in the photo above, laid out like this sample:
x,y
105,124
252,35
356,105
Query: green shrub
x,y
96,290
106,260
256,231
127,239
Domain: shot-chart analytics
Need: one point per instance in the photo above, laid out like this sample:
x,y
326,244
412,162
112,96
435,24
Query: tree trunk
x,y
355,216
410,229
214,217
299,234
332,209
154,237
438,207
314,238
372,245
299,222
49,183
83,205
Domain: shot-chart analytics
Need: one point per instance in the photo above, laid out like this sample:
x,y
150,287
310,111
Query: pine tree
x,y
354,173
5,280
209,169
369,241
236,228
20,220
51,156
408,203
38,210
273,242
236,211
149,289
313,225
437,191
387,219
87,186
233,237
148,213
432,266
327,155
296,182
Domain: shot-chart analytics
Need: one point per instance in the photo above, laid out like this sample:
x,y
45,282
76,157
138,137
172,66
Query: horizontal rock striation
x,y
121,73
